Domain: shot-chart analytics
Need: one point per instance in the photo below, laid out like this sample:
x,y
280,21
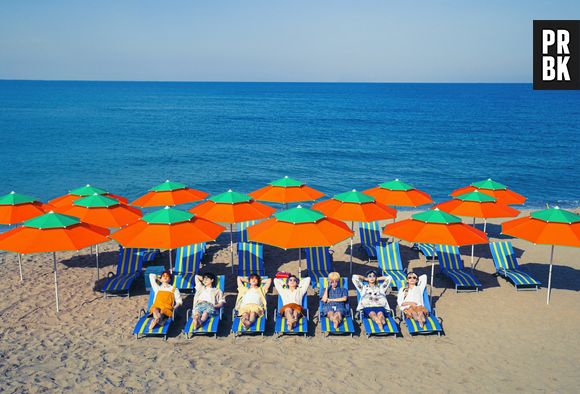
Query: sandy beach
x,y
497,340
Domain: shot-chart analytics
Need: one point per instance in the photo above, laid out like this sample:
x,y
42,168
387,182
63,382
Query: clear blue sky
x,y
275,40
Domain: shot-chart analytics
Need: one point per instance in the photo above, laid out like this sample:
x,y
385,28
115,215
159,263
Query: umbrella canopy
x,y
52,232
552,226
16,208
495,189
399,193
355,207
477,205
285,191
167,228
169,194
103,211
232,207
85,191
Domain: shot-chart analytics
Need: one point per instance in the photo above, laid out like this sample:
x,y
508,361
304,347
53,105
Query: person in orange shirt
x,y
167,297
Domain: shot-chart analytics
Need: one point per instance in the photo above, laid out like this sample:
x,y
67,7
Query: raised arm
x,y
278,284
198,281
386,285
401,296
357,281
303,285
422,283
266,285
153,280
220,299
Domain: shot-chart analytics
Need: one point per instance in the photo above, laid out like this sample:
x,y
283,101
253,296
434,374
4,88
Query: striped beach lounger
x,y
211,325
506,265
259,326
187,263
243,230
129,267
428,250
432,324
142,326
250,259
370,236
346,327
389,259
281,328
371,328
149,254
452,266
318,264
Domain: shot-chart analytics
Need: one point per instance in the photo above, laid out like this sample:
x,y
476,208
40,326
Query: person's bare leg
x,y
297,316
289,318
381,318
195,320
373,316
332,317
204,317
422,318
156,316
253,317
337,320
246,320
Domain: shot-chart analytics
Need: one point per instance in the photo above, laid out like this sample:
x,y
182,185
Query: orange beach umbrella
x,y
167,228
552,226
232,207
285,191
398,193
16,208
52,232
75,194
299,228
495,189
169,194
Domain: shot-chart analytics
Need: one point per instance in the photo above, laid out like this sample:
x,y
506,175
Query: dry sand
x,y
497,340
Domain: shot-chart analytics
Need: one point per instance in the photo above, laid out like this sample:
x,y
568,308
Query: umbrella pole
x,y
550,275
20,266
55,280
232,246
170,261
351,229
299,262
472,248
97,259
432,275
484,225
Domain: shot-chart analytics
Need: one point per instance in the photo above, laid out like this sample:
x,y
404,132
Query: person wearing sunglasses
x,y
292,290
410,298
373,292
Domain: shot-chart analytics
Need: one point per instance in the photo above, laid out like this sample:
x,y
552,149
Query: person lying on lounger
x,y
373,296
334,300
207,300
251,301
292,291
410,298
166,296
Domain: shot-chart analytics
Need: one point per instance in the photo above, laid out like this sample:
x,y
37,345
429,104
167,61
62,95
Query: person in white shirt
x,y
292,291
410,298
373,296
207,300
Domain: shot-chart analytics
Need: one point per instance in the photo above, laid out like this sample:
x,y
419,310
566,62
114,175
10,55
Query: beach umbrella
x,y
16,208
85,191
353,207
553,226
299,228
102,211
495,189
285,191
437,227
52,232
477,205
169,193
398,193
167,228
232,207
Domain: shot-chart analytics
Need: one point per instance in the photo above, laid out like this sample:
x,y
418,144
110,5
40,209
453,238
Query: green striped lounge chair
x,y
346,327
318,264
129,267
281,328
210,327
428,250
187,263
142,326
452,266
243,230
389,259
506,265
259,326
432,324
371,328
370,236
250,259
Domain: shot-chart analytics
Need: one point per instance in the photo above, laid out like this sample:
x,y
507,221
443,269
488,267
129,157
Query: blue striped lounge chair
x,y
281,328
428,250
187,262
452,266
371,328
148,254
506,265
243,230
326,326
259,326
250,259
370,235
389,259
142,326
432,324
210,327
318,264
129,267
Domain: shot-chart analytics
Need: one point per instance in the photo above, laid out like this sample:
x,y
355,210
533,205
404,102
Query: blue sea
x,y
129,136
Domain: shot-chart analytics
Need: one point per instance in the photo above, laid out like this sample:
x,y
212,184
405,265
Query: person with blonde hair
x,y
410,298
334,300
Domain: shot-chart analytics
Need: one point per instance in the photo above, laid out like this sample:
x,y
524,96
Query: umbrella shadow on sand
x,y
563,277
493,230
